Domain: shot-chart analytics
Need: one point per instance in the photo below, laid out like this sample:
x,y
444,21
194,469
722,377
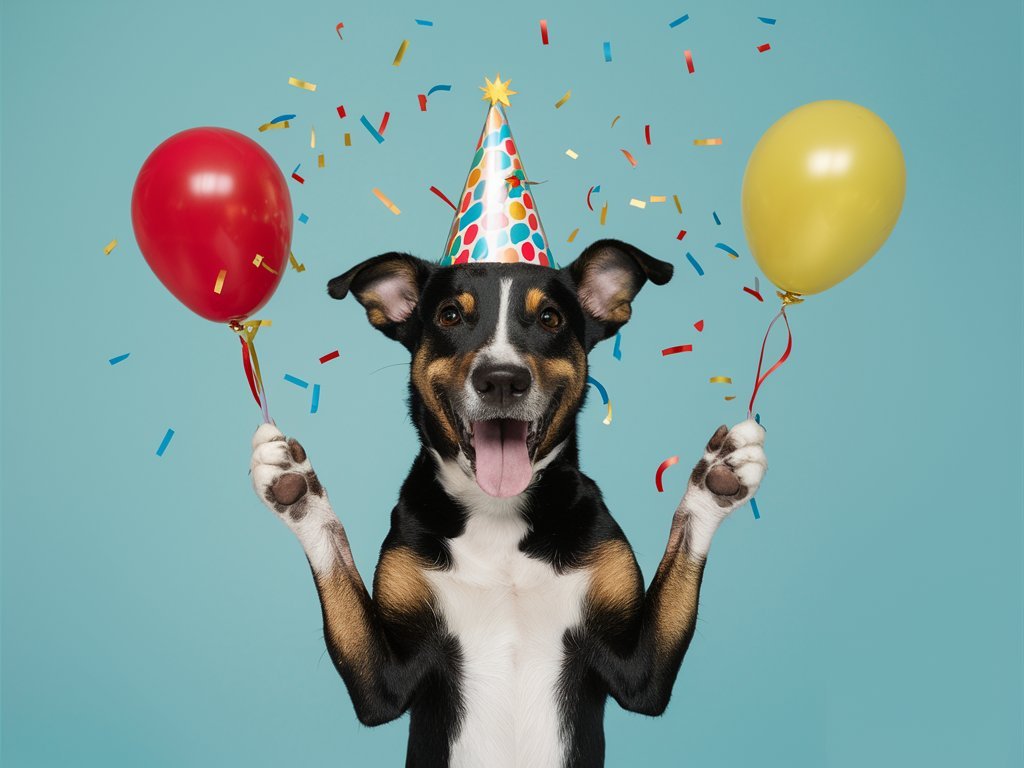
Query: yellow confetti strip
x,y
629,157
258,262
312,137
387,203
219,285
301,84
110,246
272,126
730,397
720,380
679,206
265,323
348,139
561,101
615,121
295,264
320,160
637,203
604,213
572,235
401,52
608,418
706,142
571,154
658,198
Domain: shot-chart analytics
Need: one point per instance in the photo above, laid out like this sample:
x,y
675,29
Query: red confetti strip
x,y
689,61
589,192
341,110
543,31
681,235
753,293
647,134
423,102
699,325
661,471
249,375
298,178
384,123
338,30
330,356
629,157
441,194
763,48
676,350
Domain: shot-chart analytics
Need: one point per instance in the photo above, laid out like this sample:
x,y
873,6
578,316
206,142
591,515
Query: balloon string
x,y
759,379
251,364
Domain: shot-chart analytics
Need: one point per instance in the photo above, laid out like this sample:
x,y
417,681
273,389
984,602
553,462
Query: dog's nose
x,y
500,384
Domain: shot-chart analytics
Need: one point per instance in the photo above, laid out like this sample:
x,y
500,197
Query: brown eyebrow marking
x,y
534,298
467,301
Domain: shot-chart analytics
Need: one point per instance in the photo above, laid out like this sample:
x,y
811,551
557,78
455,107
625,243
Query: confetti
x,y
727,249
629,157
109,247
604,213
617,350
689,61
764,47
282,119
437,88
303,218
312,137
441,195
424,23
330,356
296,381
658,198
676,350
165,442
258,262
543,31
727,398
301,84
720,380
320,160
341,111
679,206
373,131
604,397
753,506
677,22
647,134
348,139
338,29
661,471
637,203
591,190
295,264
607,52
699,325
295,174
401,53
681,235
561,101
387,203
706,142
693,261
423,101
571,154
765,20
714,215
384,123
614,121
756,294
119,358
271,126
572,235
219,285
315,405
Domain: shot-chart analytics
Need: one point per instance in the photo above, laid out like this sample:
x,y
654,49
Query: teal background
x,y
155,613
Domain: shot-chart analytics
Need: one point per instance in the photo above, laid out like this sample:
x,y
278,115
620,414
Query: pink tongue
x,y
502,460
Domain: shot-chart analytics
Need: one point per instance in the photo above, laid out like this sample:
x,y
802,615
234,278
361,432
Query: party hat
x,y
496,219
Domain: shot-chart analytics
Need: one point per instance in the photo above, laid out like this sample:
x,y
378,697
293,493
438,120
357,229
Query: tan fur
x,y
676,612
569,375
431,374
614,578
534,298
342,602
467,301
399,587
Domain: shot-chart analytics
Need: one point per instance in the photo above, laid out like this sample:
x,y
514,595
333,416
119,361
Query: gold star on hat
x,y
497,91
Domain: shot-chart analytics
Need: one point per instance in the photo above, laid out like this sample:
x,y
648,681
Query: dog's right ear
x,y
389,287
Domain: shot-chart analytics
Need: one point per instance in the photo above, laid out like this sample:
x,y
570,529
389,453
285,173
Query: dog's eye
x,y
550,319
449,315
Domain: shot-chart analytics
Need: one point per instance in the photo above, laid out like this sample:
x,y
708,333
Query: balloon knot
x,y
789,298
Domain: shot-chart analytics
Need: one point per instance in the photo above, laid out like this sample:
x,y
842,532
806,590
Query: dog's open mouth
x,y
501,451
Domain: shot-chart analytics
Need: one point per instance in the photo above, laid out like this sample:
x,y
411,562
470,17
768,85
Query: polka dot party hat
x,y
497,219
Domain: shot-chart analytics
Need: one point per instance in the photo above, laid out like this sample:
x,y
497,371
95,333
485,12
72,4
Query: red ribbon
x,y
759,379
247,364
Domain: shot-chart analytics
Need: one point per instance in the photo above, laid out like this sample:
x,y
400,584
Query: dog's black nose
x,y
500,384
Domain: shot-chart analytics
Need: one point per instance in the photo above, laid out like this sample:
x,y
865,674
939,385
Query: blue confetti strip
x,y
119,358
727,249
680,20
617,352
757,418
165,442
303,218
753,506
600,389
766,20
295,380
296,168
316,399
371,129
439,88
425,23
281,119
693,261
607,51
718,221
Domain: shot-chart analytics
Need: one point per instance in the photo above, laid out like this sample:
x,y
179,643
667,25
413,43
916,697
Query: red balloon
x,y
210,199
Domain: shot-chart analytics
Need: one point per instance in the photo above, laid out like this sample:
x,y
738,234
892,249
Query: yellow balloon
x,y
822,191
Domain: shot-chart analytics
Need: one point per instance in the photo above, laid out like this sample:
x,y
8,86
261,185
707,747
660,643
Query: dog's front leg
x,y
380,683
724,479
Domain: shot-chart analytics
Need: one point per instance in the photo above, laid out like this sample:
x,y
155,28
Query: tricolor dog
x,y
507,604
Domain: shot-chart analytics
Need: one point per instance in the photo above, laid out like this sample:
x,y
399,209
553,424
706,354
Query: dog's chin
x,y
501,453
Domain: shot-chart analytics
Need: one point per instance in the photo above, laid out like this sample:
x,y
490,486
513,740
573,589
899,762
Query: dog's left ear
x,y
389,287
608,275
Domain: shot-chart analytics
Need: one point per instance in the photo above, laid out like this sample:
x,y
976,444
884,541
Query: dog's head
x,y
499,351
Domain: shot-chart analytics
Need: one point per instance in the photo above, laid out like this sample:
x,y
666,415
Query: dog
x,y
507,604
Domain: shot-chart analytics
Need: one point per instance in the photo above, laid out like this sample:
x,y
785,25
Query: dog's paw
x,y
732,468
282,475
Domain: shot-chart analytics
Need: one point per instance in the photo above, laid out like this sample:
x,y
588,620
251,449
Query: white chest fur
x,y
509,613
